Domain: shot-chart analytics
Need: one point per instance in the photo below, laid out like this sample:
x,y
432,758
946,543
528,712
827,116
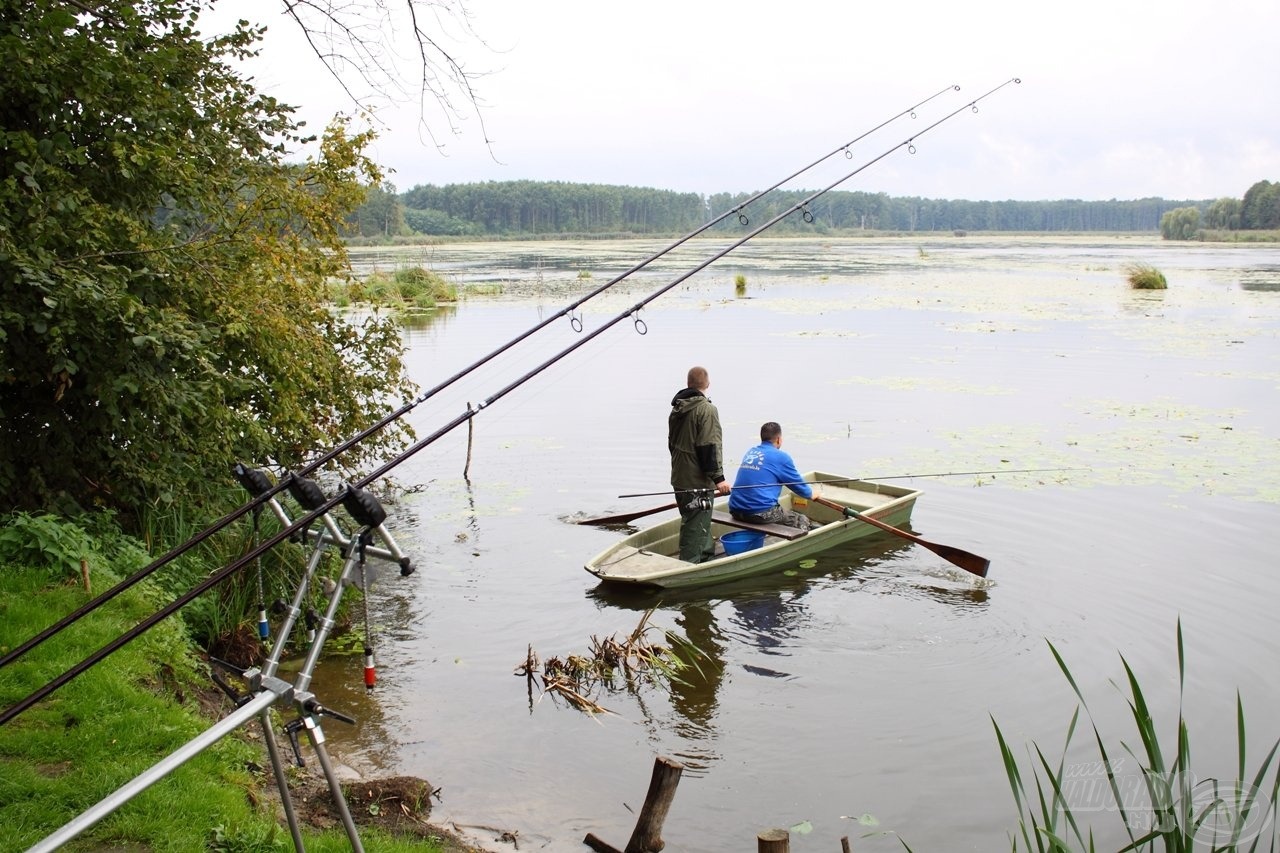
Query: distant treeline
x,y
517,208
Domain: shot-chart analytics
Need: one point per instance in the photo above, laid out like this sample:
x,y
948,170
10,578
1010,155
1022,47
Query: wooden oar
x,y
963,559
623,518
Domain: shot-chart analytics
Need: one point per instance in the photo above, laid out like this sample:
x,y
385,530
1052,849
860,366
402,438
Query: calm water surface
x,y
865,685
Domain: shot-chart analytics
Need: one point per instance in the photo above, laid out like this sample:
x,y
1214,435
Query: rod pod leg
x,y
316,735
282,781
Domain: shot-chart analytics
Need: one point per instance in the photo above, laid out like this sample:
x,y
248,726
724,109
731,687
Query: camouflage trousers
x,y
776,515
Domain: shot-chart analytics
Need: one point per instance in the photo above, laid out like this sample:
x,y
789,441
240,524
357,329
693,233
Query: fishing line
x,y
866,478
305,470
355,488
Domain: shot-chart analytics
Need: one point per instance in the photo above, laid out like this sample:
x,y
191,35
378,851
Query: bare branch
x,y
357,41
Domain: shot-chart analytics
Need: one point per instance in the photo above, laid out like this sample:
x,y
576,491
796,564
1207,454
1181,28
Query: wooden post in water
x,y
844,845
471,427
647,837
773,841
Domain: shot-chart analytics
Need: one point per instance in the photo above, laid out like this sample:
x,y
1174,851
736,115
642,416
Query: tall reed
x,y
1145,277
1179,813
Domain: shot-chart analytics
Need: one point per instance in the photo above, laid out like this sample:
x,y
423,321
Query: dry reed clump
x,y
612,664
1145,277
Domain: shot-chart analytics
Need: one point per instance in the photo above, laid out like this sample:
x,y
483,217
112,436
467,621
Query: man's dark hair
x,y
769,432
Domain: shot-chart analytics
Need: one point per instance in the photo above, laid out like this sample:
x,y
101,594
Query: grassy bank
x,y
120,717
1209,235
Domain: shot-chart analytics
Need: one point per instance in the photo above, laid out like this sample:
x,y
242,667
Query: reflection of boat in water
x,y
648,558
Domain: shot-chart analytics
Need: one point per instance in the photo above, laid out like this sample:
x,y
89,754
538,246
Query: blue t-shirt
x,y
763,472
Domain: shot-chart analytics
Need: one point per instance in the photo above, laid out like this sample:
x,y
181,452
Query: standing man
x,y
765,469
697,467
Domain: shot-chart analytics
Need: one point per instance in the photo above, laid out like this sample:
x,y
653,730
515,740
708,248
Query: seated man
x,y
764,470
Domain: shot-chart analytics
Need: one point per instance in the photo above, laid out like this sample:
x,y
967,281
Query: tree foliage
x,y
162,263
1261,206
554,207
1223,214
381,215
1180,224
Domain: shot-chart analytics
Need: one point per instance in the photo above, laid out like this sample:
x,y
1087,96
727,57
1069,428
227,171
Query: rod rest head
x,y
363,507
306,492
254,480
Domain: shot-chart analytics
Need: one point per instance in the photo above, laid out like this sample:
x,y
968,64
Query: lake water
x,y
867,684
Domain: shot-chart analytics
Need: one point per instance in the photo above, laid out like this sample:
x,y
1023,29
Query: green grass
x,y
119,718
1210,235
1145,277
1179,812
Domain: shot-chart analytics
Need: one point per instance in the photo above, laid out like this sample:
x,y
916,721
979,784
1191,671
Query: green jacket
x,y
693,437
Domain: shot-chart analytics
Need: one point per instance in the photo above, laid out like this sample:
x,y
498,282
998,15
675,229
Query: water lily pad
x,y
802,828
865,820
807,564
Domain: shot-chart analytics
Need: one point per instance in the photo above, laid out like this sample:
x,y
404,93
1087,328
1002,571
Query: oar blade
x,y
956,556
969,562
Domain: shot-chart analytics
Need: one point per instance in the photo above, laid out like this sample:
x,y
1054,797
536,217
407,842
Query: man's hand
x,y
722,487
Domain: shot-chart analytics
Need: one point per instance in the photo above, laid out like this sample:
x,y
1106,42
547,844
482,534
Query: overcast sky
x,y
1118,99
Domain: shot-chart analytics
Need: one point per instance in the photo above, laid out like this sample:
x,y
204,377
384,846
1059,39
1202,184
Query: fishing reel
x,y
701,501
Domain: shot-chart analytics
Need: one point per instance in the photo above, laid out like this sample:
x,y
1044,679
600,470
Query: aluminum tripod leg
x,y
312,710
316,735
269,669
282,781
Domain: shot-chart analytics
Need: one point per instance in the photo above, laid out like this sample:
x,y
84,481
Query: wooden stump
x,y
647,837
773,841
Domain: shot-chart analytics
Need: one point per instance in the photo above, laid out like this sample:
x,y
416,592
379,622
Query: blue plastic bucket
x,y
741,540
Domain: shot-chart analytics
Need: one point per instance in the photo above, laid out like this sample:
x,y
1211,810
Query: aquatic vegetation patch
x,y
821,333
1163,444
925,383
1144,277
611,665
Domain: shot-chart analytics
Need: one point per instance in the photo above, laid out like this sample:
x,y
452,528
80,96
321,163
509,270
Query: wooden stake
x,y
773,841
647,837
844,845
471,429
84,575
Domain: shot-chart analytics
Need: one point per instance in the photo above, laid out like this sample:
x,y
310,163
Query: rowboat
x,y
649,558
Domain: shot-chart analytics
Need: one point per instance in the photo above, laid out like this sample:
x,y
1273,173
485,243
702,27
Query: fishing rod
x,y
865,478
259,499
351,495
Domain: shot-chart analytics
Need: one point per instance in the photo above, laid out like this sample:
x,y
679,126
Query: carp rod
x,y
261,498
352,496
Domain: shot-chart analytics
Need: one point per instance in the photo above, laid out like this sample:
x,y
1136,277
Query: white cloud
x,y
1117,101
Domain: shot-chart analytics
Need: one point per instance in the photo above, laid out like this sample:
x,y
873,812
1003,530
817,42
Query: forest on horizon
x,y
536,208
